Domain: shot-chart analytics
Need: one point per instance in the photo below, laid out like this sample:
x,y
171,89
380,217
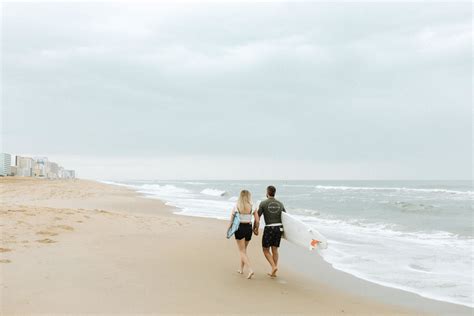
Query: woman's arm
x,y
256,223
232,215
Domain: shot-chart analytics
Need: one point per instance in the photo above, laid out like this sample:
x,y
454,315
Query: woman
x,y
244,232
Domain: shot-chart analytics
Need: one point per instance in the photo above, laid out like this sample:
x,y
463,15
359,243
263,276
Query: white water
x,y
213,192
352,188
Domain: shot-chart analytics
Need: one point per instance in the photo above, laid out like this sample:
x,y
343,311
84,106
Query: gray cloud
x,y
342,84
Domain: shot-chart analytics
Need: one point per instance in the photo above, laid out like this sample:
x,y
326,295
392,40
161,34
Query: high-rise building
x,y
38,171
41,167
38,167
5,164
53,172
67,174
24,166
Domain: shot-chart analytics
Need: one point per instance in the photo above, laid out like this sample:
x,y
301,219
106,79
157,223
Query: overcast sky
x,y
241,90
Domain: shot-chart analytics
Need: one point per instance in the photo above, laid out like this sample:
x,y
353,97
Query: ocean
x,y
411,235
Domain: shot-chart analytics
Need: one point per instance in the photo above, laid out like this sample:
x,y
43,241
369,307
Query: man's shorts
x,y
271,236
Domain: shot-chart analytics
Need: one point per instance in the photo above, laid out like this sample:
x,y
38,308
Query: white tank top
x,y
244,218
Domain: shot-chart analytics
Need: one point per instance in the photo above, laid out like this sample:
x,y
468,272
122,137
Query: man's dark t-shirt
x,y
271,210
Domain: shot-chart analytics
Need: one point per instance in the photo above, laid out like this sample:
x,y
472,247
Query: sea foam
x,y
213,192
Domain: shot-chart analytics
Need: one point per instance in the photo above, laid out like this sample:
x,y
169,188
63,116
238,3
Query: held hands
x,y
256,223
255,229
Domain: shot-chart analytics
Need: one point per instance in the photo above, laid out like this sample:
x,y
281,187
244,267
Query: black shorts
x,y
244,231
271,236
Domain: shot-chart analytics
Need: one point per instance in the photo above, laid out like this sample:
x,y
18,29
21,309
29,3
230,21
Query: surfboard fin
x,y
313,244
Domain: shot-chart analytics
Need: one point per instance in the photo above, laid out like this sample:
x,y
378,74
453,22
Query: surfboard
x,y
302,234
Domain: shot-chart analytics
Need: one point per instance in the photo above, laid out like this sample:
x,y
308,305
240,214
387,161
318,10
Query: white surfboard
x,y
301,234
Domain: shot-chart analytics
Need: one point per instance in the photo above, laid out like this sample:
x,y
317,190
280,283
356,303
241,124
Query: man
x,y
271,210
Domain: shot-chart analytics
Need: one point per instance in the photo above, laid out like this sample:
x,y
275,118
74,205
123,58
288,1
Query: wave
x,y
305,212
114,183
298,185
347,188
166,190
214,192
427,261
409,207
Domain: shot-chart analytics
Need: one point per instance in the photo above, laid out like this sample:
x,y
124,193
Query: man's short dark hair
x,y
271,190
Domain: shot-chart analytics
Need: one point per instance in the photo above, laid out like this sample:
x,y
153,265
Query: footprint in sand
x,y
46,241
21,211
65,227
46,233
5,249
5,261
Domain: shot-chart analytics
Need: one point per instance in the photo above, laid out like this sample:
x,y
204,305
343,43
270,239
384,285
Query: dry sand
x,y
80,246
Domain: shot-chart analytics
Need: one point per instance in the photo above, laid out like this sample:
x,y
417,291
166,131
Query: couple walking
x,y
271,210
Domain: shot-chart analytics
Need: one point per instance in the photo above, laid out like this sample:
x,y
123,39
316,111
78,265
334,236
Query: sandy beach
x,y
79,246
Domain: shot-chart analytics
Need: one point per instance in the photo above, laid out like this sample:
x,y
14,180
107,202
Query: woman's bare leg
x,y
249,276
241,270
243,255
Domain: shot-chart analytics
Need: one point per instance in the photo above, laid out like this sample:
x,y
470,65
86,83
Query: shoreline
x,y
372,289
186,210
124,244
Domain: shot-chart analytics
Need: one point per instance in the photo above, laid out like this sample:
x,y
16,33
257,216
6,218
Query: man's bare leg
x,y
269,257
275,255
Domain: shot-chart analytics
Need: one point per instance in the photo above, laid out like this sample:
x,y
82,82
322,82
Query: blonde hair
x,y
245,199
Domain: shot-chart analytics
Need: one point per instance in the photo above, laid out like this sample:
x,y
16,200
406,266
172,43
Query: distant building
x,y
41,160
53,171
39,169
24,166
68,174
5,164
